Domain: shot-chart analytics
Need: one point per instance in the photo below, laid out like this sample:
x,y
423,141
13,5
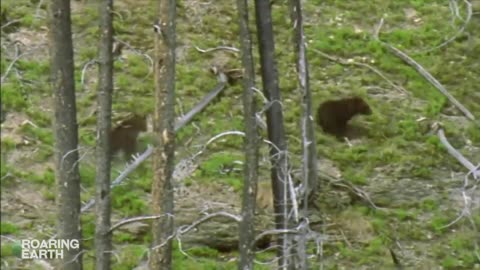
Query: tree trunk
x,y
164,124
308,136
65,131
275,128
247,233
103,239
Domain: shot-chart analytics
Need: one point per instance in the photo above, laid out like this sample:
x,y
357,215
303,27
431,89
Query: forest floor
x,y
417,188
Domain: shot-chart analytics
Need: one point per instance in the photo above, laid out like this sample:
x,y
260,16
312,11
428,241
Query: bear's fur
x,y
333,115
124,136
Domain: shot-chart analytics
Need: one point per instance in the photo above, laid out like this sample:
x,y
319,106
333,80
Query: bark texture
x,y
103,239
164,127
247,229
309,164
275,128
65,131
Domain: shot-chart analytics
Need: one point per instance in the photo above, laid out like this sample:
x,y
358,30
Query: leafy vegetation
x,y
400,159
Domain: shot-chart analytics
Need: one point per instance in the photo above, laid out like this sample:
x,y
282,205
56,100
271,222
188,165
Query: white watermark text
x,y
47,249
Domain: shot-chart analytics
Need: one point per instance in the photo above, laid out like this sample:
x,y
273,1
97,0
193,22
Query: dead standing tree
x,y
308,135
247,233
103,238
65,131
275,128
164,127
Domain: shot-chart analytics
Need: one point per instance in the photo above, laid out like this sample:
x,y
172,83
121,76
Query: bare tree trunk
x,y
276,133
164,127
103,239
308,134
65,131
247,229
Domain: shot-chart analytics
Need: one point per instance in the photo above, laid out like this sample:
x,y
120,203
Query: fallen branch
x,y
457,155
10,23
132,220
222,82
129,168
226,48
302,230
407,59
182,122
138,160
350,187
186,228
468,193
353,63
454,8
17,57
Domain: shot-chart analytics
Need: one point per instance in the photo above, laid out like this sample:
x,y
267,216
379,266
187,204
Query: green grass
x,y
397,146
130,256
13,96
8,228
47,178
129,202
11,249
43,135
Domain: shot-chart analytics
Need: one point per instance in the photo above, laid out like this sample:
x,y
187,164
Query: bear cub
x,y
333,115
124,136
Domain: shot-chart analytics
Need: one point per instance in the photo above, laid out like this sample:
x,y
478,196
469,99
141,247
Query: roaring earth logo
x,y
47,249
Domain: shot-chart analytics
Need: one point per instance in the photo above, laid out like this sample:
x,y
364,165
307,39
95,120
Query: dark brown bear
x,y
333,115
124,136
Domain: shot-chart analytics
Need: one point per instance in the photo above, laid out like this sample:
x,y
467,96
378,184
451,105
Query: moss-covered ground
x,y
399,160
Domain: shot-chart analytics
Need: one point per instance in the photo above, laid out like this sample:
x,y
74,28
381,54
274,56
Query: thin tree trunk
x,y
276,133
103,239
65,131
308,135
164,127
247,229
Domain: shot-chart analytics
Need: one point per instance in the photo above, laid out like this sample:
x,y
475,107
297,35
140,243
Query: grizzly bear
x,y
333,115
124,136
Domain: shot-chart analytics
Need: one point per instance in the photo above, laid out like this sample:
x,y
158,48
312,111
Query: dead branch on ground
x,y
407,59
354,63
132,220
457,155
456,14
225,48
186,228
142,157
467,189
17,58
350,187
222,82
128,169
10,23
